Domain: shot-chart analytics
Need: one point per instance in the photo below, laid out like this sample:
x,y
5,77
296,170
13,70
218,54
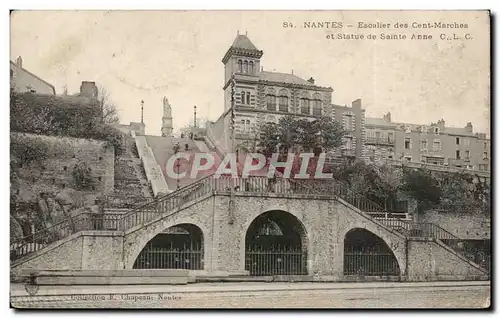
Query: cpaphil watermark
x,y
302,166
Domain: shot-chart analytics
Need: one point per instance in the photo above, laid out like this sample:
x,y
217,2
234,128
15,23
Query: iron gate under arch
x,y
275,245
179,247
366,254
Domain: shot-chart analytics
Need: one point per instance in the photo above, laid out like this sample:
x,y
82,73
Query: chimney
x,y
19,62
88,89
311,80
356,104
468,127
441,124
387,117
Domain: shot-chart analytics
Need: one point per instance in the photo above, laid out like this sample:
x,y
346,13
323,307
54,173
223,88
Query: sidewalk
x,y
19,289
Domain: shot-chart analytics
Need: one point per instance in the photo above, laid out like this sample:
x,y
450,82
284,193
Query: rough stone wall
x,y
325,221
65,256
102,250
428,260
470,226
55,173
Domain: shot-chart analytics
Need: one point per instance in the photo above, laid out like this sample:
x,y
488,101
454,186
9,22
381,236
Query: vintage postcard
x,y
250,159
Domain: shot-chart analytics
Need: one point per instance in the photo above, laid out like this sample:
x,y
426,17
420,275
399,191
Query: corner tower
x,y
242,59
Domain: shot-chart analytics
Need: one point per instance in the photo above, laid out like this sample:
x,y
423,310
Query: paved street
x,y
262,295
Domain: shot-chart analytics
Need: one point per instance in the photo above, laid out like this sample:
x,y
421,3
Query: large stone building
x,y
434,144
262,96
24,81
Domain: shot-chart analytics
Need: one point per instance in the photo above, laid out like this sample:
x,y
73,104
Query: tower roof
x,y
242,46
243,42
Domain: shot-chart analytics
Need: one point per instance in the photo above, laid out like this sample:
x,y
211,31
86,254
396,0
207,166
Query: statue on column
x,y
166,127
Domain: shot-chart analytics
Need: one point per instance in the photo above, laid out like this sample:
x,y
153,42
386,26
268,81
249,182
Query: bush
x,y
27,150
68,116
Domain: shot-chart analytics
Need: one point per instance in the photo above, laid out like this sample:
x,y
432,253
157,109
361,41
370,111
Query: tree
x,y
108,107
201,122
423,187
388,182
324,134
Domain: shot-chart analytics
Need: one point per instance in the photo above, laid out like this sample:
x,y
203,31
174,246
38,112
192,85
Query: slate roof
x,y
243,42
282,77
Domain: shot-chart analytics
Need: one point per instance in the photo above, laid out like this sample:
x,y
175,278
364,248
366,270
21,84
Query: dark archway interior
x,y
276,244
178,247
367,254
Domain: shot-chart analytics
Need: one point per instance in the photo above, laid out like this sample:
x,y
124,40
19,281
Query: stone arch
x,y
289,222
367,238
135,242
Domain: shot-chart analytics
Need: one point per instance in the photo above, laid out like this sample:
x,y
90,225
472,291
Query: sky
x,y
145,55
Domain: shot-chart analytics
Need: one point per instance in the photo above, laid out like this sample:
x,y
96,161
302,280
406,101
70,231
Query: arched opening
x,y
366,254
276,244
178,247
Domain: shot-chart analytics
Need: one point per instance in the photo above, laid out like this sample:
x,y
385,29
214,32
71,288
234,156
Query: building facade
x,y
262,97
433,144
21,80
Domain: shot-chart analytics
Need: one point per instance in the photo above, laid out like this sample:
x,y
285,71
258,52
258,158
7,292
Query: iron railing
x,y
275,260
84,221
370,263
170,202
187,257
124,201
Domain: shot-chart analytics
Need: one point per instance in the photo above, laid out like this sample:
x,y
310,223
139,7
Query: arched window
x,y
317,105
245,67
305,107
251,70
240,66
283,101
271,102
242,98
248,98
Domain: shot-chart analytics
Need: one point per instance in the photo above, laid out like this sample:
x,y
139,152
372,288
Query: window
x,y
283,104
457,140
436,130
483,166
436,145
467,154
240,66
377,134
485,145
317,107
271,102
348,144
245,67
251,67
407,143
348,122
485,155
390,136
408,158
305,107
423,145
243,98
248,126
466,142
457,154
243,128
248,98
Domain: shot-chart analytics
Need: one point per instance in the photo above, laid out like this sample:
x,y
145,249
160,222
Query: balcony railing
x,y
379,141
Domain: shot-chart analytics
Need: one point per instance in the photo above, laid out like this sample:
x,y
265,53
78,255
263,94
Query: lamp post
x,y
195,116
142,112
177,147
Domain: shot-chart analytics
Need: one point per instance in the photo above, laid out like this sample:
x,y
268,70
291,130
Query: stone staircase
x,y
131,184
